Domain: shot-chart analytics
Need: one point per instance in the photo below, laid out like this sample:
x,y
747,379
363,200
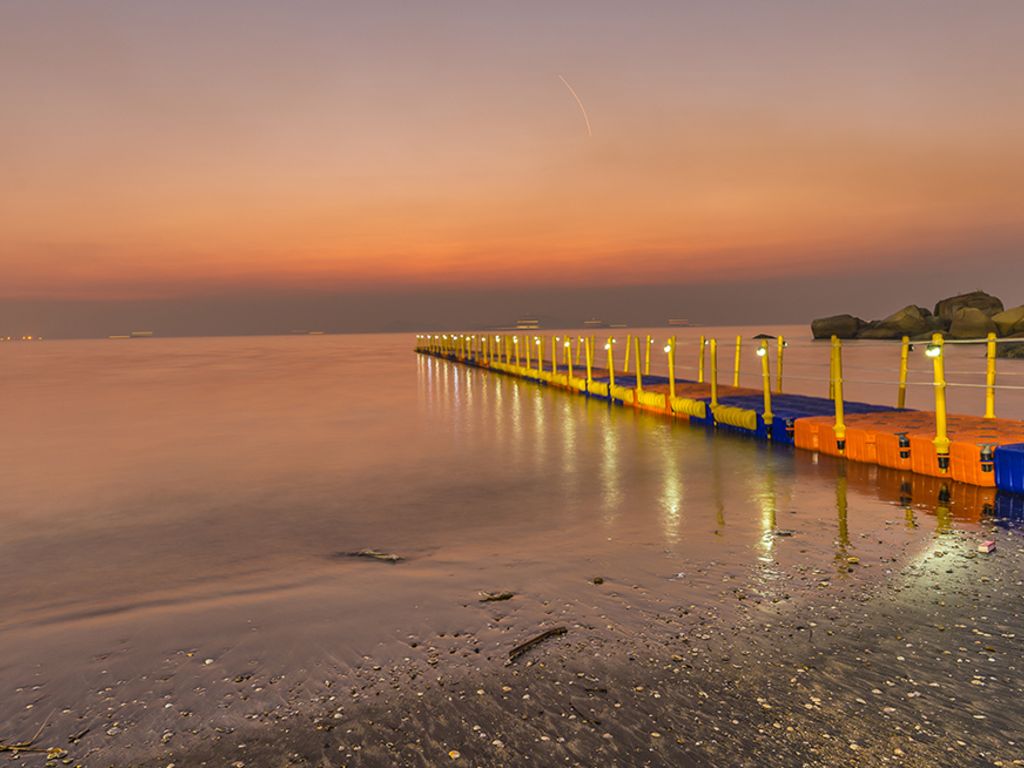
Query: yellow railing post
x,y
714,373
647,356
554,354
901,395
832,370
629,351
611,364
540,354
568,358
837,373
579,343
941,440
590,363
639,372
766,380
990,377
778,362
736,365
671,349
700,360
515,346
527,343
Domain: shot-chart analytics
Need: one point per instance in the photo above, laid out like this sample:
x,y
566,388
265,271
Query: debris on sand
x,y
493,597
522,648
987,546
373,554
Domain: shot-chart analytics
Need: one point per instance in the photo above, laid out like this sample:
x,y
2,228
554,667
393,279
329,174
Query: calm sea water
x,y
200,494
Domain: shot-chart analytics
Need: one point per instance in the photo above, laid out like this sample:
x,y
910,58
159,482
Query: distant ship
x,y
679,321
527,324
595,323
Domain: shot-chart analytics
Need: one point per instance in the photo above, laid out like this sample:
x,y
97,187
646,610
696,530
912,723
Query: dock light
x,y
668,348
536,340
933,350
515,339
761,351
567,343
607,345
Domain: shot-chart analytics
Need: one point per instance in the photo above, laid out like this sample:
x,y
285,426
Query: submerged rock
x,y
843,326
1013,350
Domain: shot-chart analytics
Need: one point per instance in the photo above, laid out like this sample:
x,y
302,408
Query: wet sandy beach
x,y
185,594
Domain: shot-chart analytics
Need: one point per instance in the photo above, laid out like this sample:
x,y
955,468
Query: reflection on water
x,y
198,488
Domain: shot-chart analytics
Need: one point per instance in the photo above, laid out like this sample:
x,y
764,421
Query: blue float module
x,y
786,409
1009,467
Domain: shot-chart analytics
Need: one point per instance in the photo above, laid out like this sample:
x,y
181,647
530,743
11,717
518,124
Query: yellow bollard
x,y
671,349
629,350
736,366
901,395
837,370
647,356
714,373
766,379
941,440
639,373
700,360
990,378
778,373
611,364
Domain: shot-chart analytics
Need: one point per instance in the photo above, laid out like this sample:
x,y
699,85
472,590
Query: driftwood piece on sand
x,y
373,554
522,648
491,597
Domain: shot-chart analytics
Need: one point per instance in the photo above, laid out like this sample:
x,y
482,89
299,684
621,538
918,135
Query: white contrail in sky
x,y
580,102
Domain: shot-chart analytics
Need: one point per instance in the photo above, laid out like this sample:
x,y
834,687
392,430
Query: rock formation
x,y
843,326
966,316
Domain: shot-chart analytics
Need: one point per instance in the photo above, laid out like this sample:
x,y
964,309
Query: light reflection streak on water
x,y
765,498
567,421
611,493
672,491
842,527
540,437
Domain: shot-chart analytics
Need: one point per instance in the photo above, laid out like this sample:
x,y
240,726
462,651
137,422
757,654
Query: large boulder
x,y
843,326
1010,322
971,323
980,300
909,321
1013,351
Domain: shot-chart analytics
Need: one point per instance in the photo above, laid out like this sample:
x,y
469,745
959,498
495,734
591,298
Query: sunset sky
x,y
212,167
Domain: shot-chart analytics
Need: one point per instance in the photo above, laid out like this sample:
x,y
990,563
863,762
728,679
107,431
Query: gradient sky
x,y
259,166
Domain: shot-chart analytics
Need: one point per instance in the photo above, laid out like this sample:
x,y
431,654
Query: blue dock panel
x,y
1009,466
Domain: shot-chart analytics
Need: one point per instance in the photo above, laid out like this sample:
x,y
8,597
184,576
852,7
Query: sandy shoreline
x,y
908,662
